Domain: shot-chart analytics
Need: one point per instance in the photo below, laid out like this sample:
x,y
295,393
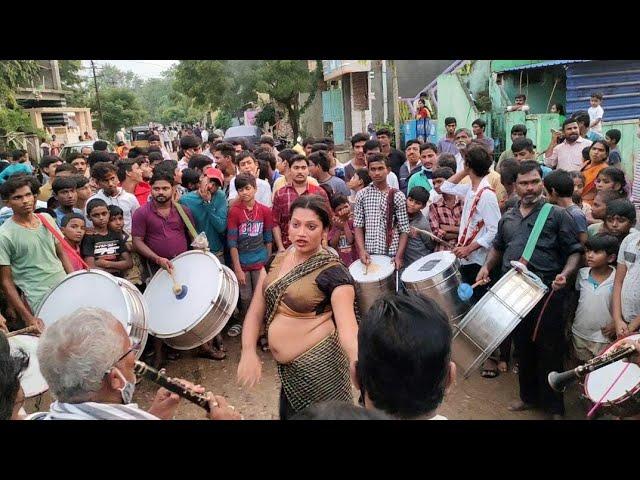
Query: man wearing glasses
x,y
87,359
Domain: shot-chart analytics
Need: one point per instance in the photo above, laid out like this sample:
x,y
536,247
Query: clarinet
x,y
560,381
170,384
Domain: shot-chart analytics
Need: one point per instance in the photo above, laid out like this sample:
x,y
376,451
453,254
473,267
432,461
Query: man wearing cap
x,y
209,207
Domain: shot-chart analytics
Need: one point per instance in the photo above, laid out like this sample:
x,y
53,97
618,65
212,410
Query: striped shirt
x,y
93,411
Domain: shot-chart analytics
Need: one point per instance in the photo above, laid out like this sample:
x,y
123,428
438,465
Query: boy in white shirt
x,y
596,112
593,327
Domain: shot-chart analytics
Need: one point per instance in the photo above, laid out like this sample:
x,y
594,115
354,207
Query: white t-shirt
x,y
392,181
629,255
594,307
125,200
204,135
594,114
263,194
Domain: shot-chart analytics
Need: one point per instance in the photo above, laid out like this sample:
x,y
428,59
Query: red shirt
x,y
142,192
282,205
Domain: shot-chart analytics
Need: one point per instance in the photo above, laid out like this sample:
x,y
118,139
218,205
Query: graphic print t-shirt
x,y
107,247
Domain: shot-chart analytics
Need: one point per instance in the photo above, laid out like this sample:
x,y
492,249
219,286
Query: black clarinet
x,y
560,381
170,384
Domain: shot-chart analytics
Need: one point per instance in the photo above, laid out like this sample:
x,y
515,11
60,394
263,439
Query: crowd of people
x,y
289,223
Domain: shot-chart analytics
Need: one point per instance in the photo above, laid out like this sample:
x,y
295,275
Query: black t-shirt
x,y
108,247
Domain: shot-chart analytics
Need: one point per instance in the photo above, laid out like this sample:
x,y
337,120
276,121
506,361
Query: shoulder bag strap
x,y
535,233
390,211
69,249
186,220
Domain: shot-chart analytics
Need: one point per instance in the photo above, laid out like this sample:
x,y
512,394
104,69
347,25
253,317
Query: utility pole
x,y
95,84
396,105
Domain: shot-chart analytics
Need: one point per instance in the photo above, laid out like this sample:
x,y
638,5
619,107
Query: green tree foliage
x,y
110,76
155,95
284,81
13,74
223,120
120,108
267,114
73,82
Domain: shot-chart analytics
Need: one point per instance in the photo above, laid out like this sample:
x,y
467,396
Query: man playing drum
x,y
539,338
159,235
30,257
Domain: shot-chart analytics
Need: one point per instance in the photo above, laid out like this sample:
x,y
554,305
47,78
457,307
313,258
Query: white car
x,y
72,148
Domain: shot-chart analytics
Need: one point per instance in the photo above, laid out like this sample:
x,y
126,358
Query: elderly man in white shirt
x,y
88,361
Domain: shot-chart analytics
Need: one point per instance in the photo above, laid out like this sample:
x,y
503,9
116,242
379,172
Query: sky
x,y
143,68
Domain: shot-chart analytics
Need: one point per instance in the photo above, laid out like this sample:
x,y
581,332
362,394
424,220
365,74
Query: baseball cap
x,y
214,173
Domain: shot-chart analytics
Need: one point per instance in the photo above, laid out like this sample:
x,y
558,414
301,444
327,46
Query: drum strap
x,y
186,220
68,248
535,233
389,220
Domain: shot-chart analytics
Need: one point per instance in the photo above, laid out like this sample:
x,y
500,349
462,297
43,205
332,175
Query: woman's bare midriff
x,y
290,337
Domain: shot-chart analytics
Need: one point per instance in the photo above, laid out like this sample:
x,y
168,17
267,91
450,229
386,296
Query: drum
x,y
373,281
32,381
99,289
211,296
437,277
619,398
494,317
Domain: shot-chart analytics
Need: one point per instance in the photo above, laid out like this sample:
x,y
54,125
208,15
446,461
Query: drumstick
x,y
437,239
22,331
178,290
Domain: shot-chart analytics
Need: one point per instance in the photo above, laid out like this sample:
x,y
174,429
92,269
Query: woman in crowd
x,y
307,297
598,154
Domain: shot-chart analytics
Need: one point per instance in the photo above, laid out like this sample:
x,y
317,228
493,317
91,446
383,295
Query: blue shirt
x,y
60,214
13,169
211,218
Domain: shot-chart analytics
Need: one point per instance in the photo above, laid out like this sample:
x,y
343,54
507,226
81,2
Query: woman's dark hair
x,y
603,242
404,349
115,210
560,181
315,203
11,369
616,175
585,153
96,202
603,143
363,174
244,179
336,410
622,208
479,161
338,200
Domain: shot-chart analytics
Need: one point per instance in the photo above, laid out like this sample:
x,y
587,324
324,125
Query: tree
x,y
155,95
73,82
267,114
120,108
14,74
110,76
284,81
223,120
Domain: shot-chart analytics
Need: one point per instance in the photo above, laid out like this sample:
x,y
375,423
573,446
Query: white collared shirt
x,y
125,200
263,193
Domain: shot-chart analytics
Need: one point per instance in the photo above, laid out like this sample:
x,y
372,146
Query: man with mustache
x,y
568,154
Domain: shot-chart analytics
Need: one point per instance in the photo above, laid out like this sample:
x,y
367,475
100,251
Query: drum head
x,y
85,288
599,381
429,266
380,267
201,273
32,381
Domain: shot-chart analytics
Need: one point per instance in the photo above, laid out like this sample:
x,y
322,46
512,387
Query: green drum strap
x,y
535,233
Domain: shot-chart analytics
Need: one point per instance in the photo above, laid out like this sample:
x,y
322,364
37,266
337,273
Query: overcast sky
x,y
143,68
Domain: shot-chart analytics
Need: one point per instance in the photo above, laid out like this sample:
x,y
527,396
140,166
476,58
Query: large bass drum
x,y
98,289
495,316
437,276
211,296
373,280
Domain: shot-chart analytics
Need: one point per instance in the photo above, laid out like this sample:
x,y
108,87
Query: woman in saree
x,y
598,154
306,296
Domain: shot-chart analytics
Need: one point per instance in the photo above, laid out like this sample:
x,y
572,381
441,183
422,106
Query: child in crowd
x,y
447,160
593,327
559,186
612,137
620,218
445,214
105,249
64,191
626,294
596,112
250,240
116,224
599,210
508,176
578,187
73,228
612,178
341,235
358,181
83,190
419,244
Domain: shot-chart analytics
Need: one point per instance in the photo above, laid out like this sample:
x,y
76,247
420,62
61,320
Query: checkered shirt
x,y
370,213
440,214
